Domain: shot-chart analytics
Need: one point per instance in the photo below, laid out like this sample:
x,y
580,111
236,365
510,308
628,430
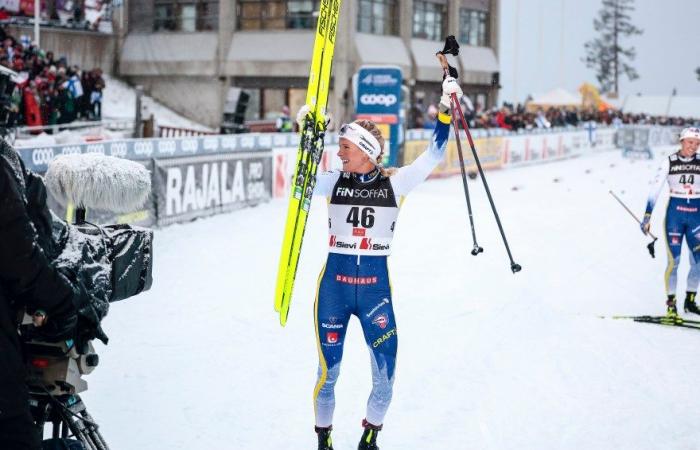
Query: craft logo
x,y
383,338
332,337
382,320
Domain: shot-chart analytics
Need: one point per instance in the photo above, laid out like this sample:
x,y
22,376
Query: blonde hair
x,y
372,128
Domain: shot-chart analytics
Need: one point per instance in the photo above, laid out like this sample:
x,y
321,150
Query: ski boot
x,y
369,437
324,438
671,310
689,304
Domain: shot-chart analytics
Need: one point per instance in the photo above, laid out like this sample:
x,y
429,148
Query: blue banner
x,y
379,100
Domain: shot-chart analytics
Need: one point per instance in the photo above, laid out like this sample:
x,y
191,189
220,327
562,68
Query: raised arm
x,y
411,175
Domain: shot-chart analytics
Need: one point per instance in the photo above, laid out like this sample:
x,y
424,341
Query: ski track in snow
x,y
487,359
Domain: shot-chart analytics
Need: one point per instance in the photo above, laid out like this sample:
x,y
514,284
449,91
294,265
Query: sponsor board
x,y
188,188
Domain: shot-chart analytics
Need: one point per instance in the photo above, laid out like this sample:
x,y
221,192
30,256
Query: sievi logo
x,y
334,242
366,243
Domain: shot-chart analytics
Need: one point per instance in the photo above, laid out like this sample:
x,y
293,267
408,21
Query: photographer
x,y
28,280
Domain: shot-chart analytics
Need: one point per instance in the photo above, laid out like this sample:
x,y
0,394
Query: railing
x,y
112,125
166,131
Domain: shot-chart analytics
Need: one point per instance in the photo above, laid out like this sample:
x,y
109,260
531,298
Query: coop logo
x,y
118,149
166,147
211,144
95,148
189,146
335,243
378,99
71,150
143,148
42,156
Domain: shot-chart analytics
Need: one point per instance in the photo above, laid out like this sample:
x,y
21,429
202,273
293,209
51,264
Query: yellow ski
x,y
309,154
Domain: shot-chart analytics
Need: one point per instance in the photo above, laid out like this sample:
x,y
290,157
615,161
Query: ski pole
x,y
476,249
450,44
650,246
452,47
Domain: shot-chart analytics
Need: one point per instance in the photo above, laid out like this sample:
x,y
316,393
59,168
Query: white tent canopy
x,y
656,105
556,97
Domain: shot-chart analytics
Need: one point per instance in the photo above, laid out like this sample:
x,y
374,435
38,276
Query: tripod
x,y
69,417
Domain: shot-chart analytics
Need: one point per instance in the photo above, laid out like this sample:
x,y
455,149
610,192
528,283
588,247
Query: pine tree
x,y
605,53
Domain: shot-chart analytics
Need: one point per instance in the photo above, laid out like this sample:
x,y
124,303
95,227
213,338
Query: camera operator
x,y
28,281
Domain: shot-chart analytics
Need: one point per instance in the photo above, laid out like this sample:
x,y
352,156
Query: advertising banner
x,y
379,100
188,188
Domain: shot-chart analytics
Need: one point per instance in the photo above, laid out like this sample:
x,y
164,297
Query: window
x,y
186,15
378,17
473,27
429,20
276,14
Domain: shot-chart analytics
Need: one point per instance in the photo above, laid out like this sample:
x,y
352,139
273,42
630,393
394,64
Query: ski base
x,y
662,320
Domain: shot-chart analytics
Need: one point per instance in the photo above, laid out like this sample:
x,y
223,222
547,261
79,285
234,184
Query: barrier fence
x,y
198,176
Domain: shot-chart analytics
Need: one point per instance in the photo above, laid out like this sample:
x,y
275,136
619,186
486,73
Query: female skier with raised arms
x,y
363,205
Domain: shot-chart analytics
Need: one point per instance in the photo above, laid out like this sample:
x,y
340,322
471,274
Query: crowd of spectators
x,y
515,118
48,90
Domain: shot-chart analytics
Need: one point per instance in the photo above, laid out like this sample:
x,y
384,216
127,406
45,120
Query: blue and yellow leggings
x,y
350,286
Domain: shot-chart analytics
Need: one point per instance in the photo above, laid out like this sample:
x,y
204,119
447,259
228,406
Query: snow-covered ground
x,y
120,103
487,359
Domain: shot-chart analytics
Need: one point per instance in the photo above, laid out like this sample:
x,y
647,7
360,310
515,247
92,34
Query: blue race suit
x,y
682,215
363,209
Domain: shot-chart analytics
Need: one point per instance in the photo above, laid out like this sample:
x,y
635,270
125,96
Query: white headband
x,y
362,138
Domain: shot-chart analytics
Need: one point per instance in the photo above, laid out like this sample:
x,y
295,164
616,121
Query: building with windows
x,y
193,55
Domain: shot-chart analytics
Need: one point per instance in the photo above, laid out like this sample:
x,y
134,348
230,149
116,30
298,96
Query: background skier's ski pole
x,y
452,48
650,246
